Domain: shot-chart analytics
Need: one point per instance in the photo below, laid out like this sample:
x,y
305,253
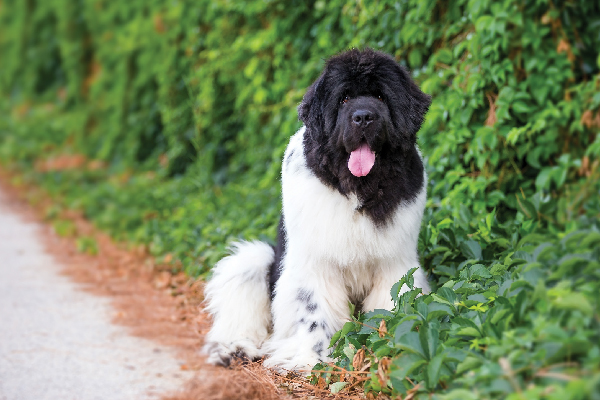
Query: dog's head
x,y
364,96
362,116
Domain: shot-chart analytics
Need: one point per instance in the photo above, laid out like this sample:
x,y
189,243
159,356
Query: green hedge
x,y
189,104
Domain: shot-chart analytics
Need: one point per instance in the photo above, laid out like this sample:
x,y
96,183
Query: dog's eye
x,y
345,99
380,97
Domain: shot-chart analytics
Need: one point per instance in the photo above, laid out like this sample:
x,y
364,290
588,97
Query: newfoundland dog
x,y
354,190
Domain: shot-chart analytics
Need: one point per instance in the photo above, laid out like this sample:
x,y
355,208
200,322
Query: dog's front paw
x,y
223,353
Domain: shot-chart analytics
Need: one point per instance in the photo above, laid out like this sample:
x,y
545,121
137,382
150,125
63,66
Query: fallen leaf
x,y
382,370
358,360
382,329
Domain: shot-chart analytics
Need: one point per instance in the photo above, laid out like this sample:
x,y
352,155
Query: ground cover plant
x,y
165,123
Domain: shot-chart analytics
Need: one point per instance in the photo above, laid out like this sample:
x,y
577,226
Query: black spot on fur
x,y
311,308
242,356
312,327
275,267
365,77
224,360
289,158
318,348
304,296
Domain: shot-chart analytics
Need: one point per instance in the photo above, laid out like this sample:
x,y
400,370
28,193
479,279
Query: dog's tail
x,y
238,299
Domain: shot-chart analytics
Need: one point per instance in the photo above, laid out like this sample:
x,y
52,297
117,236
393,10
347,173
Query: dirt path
x,y
57,341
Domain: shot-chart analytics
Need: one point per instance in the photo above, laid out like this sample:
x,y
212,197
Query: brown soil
x,y
156,305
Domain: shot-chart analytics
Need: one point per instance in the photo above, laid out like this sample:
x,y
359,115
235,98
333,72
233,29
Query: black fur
x,y
275,267
374,82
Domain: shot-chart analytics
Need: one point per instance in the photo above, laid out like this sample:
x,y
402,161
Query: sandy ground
x,y
57,341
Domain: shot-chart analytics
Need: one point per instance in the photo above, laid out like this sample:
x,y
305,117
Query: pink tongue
x,y
361,160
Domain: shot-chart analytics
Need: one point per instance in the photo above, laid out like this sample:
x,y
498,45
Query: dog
x,y
354,192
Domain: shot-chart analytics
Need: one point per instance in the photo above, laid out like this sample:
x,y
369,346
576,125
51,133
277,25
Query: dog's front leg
x,y
308,309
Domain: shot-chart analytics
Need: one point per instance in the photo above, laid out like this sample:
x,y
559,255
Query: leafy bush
x,y
180,111
508,322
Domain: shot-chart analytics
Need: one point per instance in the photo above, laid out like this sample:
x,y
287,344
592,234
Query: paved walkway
x,y
57,342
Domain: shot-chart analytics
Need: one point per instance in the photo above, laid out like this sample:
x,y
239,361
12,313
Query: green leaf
x,y
521,107
478,271
415,58
543,179
422,307
591,239
396,290
483,22
471,249
348,327
349,352
405,326
337,387
470,363
448,295
444,56
527,208
437,310
405,364
466,327
429,337
500,315
465,215
336,336
559,175
411,343
574,301
433,370
468,331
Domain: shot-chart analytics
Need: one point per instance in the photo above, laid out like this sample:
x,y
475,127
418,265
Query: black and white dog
x,y
354,191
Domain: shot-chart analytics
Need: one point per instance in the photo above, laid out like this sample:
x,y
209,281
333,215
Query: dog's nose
x,y
362,117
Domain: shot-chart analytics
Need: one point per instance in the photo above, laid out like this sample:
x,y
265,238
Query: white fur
x,y
334,255
237,297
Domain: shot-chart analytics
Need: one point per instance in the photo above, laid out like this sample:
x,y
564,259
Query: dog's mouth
x,y
361,160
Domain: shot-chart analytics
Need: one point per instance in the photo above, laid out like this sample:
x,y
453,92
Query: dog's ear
x,y
310,110
419,102
413,105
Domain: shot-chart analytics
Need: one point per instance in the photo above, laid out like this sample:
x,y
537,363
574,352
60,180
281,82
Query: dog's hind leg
x,y
237,297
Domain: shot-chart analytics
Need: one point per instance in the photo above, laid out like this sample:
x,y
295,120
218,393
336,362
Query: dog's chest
x,y
329,226
322,224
